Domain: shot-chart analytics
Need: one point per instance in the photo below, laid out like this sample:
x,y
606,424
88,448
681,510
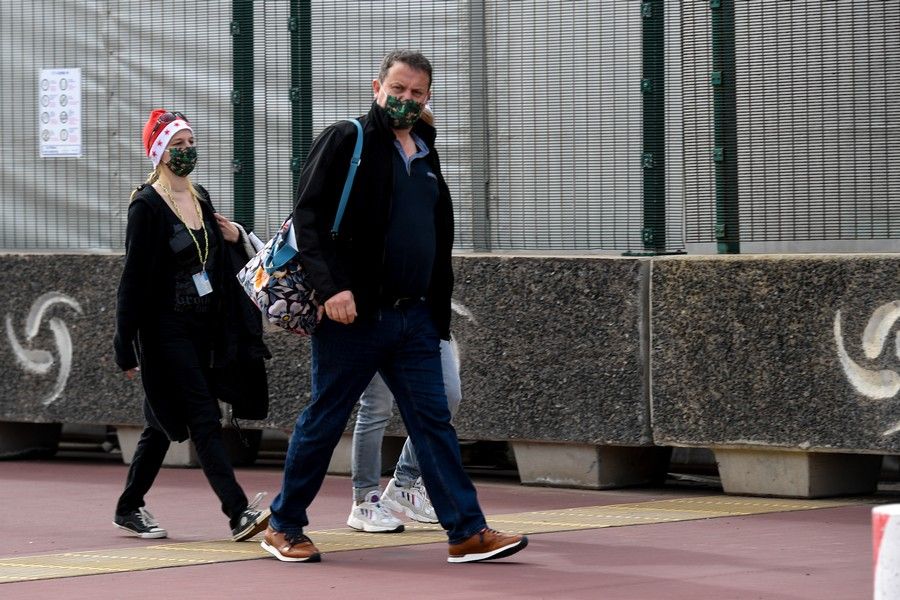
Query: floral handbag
x,y
274,278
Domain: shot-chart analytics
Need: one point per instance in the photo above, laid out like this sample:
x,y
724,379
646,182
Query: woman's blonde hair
x,y
427,116
153,177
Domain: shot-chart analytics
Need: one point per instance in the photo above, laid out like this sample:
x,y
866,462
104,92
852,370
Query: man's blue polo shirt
x,y
410,243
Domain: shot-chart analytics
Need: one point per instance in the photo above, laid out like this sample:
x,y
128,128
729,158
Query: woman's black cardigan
x,y
239,376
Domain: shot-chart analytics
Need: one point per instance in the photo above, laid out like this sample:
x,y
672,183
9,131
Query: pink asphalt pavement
x,y
64,505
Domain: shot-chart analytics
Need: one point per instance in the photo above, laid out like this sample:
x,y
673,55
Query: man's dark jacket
x,y
355,260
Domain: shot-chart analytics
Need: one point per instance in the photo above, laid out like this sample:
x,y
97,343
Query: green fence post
x,y
479,129
653,113
242,109
300,26
724,154
653,158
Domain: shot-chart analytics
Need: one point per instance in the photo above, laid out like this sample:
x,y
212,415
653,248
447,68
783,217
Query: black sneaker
x,y
251,521
140,523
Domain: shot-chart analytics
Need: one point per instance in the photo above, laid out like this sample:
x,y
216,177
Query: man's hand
x,y
341,307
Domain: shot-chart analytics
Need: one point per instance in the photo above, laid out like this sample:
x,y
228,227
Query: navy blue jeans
x,y
401,345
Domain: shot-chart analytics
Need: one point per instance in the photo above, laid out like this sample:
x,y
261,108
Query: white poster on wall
x,y
59,110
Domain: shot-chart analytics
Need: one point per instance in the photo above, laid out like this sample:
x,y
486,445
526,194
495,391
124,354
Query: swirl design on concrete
x,y
39,361
878,384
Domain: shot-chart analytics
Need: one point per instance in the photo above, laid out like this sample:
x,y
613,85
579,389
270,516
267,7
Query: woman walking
x,y
176,320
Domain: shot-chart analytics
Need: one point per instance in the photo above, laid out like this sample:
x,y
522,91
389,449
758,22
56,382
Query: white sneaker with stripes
x,y
373,517
411,501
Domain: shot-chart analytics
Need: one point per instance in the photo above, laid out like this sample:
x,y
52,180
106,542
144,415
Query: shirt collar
x,y
421,146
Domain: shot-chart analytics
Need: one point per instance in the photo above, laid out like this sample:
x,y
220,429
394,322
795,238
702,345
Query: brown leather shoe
x,y
290,548
487,544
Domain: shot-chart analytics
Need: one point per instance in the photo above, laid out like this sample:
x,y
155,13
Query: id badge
x,y
201,282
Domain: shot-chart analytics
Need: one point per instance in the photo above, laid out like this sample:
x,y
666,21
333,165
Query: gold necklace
x,y
202,255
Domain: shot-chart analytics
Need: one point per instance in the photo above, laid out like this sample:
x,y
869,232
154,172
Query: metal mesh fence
x,y
566,124
132,57
563,126
538,114
812,133
348,41
697,122
819,124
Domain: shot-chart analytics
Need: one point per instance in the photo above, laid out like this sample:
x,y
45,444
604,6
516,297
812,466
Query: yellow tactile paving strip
x,y
156,556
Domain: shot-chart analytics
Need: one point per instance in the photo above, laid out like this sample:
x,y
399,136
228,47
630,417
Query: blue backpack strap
x,y
354,164
281,251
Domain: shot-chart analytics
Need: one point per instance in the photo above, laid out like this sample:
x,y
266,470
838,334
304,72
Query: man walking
x,y
386,279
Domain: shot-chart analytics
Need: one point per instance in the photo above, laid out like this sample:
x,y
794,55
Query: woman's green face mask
x,y
182,160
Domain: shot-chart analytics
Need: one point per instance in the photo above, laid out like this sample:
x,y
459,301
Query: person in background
x,y
386,280
182,320
405,493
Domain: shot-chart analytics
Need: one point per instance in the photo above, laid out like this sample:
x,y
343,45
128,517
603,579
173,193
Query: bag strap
x,y
354,164
282,251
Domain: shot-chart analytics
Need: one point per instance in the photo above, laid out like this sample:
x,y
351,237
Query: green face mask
x,y
182,161
402,113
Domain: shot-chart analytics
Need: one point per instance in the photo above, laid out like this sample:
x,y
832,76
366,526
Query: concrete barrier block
x,y
771,472
184,454
180,454
552,349
588,466
28,439
792,352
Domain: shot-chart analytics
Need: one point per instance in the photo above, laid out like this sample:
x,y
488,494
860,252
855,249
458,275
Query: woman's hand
x,y
229,230
131,373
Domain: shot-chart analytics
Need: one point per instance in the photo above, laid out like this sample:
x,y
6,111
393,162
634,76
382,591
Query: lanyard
x,y
203,256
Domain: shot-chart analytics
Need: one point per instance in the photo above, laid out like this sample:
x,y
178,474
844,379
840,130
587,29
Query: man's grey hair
x,y
411,58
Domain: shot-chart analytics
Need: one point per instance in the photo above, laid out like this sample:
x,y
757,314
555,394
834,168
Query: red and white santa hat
x,y
158,131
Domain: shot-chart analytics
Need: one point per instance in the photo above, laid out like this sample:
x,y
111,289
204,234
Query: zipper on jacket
x,y
384,241
384,248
